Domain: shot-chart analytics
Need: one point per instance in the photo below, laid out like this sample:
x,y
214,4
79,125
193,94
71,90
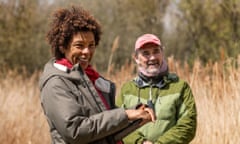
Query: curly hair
x,y
66,23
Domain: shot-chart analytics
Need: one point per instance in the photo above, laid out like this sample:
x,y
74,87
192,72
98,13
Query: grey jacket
x,y
74,111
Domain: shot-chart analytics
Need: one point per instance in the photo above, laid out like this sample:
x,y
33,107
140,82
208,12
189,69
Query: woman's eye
x,y
79,46
92,46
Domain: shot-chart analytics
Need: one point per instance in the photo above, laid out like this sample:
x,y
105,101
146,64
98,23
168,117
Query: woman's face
x,y
81,48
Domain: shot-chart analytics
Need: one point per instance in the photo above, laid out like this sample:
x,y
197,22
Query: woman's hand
x,y
149,117
142,112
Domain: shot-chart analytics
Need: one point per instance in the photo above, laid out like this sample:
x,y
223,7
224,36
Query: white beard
x,y
153,71
150,72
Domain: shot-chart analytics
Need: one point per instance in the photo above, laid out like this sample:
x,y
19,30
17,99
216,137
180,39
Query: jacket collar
x,y
140,82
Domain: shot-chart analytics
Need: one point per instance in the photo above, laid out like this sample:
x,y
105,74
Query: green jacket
x,y
174,107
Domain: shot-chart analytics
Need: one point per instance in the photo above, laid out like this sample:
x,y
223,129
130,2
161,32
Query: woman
x,y
77,101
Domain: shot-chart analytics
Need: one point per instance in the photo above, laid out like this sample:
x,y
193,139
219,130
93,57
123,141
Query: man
x,y
169,97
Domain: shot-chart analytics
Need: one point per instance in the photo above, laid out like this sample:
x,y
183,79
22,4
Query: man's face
x,y
149,58
81,49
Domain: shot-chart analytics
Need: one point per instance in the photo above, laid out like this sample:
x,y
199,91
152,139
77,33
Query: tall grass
x,y
22,120
216,88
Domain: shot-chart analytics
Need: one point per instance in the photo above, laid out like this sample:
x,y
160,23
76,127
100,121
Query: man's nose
x,y
152,56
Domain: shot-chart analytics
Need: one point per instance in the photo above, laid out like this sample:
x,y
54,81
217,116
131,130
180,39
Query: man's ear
x,y
137,61
135,58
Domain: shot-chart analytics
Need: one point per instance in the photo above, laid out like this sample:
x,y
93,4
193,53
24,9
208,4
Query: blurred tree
x,y
134,18
22,34
208,29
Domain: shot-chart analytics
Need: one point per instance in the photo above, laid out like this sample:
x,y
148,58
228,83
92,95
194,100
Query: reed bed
x,y
216,87
22,120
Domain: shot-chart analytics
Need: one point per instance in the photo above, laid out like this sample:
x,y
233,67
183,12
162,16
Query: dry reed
x,y
216,88
22,120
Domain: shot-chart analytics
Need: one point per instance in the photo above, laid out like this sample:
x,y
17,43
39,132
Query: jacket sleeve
x,y
72,119
184,130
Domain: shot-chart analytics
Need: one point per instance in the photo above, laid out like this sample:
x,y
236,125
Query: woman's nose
x,y
85,50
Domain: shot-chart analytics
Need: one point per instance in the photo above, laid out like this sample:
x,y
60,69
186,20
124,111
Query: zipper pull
x,y
151,105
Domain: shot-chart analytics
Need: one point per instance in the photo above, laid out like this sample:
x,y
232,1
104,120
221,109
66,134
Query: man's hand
x,y
150,116
142,112
147,142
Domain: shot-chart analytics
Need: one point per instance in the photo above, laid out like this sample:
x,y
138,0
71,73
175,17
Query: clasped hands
x,y
143,112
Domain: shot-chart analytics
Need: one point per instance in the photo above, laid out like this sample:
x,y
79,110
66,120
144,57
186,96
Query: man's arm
x,y
184,130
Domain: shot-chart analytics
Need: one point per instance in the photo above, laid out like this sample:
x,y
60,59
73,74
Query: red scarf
x,y
94,75
91,73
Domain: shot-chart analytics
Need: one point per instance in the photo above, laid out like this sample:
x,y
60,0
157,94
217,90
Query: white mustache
x,y
152,63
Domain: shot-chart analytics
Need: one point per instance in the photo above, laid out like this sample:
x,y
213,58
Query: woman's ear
x,y
62,50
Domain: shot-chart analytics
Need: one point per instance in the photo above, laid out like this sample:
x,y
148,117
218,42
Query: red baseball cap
x,y
147,38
